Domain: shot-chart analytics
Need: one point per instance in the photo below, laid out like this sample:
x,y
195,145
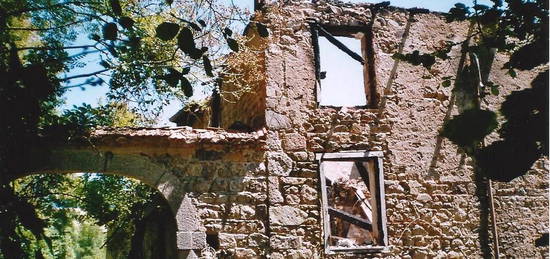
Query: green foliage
x,y
233,45
186,86
173,77
458,13
75,123
126,22
207,66
79,209
89,239
186,43
262,30
446,81
416,59
54,199
110,31
167,30
134,44
493,88
115,5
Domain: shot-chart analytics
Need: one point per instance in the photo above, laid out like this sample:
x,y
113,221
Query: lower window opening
x,y
353,204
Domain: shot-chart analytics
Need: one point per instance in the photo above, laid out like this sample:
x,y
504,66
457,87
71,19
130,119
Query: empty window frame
x,y
342,68
352,193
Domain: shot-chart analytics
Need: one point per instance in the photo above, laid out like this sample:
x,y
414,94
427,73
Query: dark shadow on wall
x,y
484,213
452,100
465,98
393,73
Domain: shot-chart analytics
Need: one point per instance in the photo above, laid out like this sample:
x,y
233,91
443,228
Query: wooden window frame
x,y
380,225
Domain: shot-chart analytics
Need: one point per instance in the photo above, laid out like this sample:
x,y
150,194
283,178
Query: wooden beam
x,y
324,199
348,155
365,175
340,45
363,223
215,106
381,201
363,172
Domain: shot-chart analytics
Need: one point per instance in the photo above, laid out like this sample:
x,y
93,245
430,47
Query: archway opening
x,y
93,215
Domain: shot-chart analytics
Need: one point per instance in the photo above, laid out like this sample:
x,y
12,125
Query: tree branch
x,y
73,86
85,14
57,48
52,193
46,29
33,9
84,53
85,75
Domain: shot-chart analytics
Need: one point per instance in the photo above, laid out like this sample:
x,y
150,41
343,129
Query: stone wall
x,y
221,179
432,207
243,88
214,181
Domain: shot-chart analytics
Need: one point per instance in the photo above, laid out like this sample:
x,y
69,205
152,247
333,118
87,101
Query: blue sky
x,y
92,95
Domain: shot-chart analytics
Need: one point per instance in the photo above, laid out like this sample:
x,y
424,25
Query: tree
x,y
151,49
85,214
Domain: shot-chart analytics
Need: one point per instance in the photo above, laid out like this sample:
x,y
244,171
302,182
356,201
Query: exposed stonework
x,y
259,192
432,209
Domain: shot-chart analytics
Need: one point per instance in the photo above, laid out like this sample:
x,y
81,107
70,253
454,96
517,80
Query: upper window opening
x,y
342,77
342,67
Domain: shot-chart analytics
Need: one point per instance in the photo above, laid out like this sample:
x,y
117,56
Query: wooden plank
x,y
381,201
315,39
363,223
324,206
317,61
363,172
364,204
366,179
373,178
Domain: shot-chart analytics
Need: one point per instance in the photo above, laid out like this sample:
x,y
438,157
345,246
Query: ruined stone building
x,y
278,173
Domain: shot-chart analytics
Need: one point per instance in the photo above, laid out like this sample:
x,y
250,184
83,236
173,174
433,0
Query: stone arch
x,y
191,236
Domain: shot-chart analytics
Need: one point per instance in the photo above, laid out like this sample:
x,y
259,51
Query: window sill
x,y
352,108
358,249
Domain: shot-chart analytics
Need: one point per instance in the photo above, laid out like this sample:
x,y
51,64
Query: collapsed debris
x,y
349,205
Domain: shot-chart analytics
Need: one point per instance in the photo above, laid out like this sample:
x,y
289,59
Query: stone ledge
x,y
175,136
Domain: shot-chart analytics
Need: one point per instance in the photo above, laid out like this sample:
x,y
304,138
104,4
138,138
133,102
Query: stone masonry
x,y
258,193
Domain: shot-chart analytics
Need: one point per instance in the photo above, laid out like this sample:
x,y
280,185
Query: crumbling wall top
x,y
174,136
339,7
